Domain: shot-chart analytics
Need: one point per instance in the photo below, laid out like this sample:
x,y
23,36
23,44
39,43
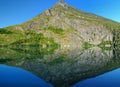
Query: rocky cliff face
x,y
79,27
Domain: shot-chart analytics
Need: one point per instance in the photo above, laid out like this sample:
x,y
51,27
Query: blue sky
x,y
17,11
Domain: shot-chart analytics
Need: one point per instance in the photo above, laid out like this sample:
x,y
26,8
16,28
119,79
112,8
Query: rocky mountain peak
x,y
61,3
78,27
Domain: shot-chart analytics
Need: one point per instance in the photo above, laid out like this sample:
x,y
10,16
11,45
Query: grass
x,y
36,39
103,45
55,30
5,31
29,38
87,45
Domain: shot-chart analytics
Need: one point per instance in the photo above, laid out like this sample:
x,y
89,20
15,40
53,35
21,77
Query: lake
x,y
59,67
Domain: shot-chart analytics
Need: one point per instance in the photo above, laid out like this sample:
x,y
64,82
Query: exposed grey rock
x,y
85,27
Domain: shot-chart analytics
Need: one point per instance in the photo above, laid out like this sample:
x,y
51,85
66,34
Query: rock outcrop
x,y
79,27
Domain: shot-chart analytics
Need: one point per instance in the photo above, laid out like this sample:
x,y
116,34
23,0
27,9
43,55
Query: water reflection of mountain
x,y
62,67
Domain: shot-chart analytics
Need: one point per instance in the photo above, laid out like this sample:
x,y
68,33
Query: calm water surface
x,y
65,67
14,77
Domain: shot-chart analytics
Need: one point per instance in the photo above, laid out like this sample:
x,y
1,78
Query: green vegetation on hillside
x,y
35,39
63,25
87,45
5,31
29,38
55,30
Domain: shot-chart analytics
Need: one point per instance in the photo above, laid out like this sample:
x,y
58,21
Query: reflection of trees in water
x,y
25,53
65,67
116,43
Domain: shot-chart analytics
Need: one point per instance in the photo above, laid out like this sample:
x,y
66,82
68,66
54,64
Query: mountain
x,y
65,26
